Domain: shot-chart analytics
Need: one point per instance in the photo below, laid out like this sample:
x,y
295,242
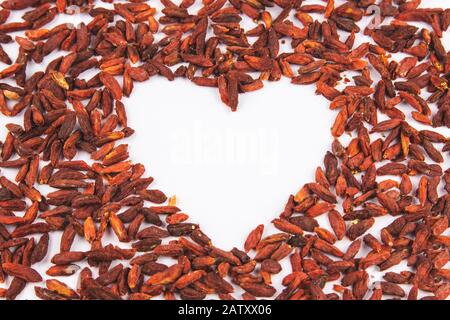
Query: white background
x,y
229,171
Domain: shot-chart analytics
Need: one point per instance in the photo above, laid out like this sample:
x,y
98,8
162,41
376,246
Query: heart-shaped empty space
x,y
229,171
